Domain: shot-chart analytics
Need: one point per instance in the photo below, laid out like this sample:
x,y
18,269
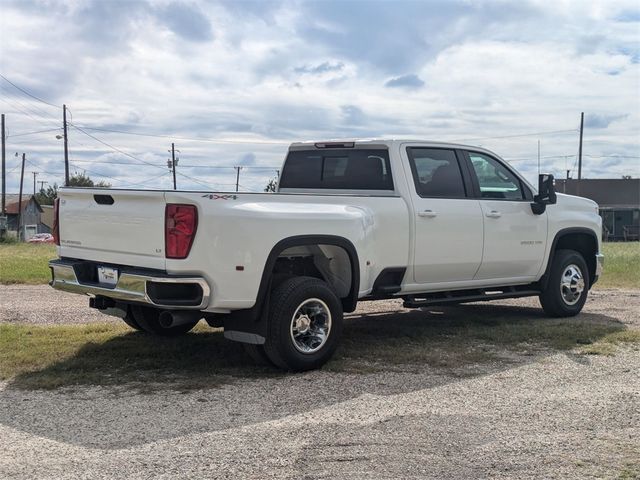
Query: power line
x,y
115,148
33,133
42,113
134,157
94,173
209,140
516,136
224,167
34,108
24,111
27,93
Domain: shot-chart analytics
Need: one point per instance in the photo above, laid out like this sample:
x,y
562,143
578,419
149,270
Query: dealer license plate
x,y
108,275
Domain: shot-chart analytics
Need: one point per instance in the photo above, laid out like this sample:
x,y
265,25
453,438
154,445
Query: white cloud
x,y
291,70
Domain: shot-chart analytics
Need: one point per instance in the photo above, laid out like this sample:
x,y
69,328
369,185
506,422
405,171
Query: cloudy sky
x,y
232,82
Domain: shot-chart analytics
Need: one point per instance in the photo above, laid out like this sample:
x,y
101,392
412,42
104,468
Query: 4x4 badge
x,y
214,196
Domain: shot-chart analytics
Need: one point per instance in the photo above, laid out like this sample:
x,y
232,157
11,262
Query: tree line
x,y
46,196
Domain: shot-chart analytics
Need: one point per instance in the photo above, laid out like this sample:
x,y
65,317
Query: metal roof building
x,y
618,199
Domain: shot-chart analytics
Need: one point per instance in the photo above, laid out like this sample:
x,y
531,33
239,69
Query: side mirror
x,y
546,194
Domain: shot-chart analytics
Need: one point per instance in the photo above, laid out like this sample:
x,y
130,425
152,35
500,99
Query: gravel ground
x,y
559,415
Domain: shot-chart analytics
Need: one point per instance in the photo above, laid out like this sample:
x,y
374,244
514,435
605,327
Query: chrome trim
x,y
130,287
599,264
571,284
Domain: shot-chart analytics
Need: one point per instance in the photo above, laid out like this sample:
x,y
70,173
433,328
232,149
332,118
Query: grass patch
x,y
621,265
49,357
457,343
25,263
631,471
469,336
607,345
28,263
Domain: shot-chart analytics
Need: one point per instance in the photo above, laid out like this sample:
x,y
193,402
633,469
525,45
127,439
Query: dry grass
x,y
111,354
607,345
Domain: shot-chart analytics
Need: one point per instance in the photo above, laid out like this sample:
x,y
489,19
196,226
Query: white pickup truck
x,y
430,223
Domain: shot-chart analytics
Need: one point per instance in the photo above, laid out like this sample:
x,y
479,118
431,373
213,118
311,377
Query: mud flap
x,y
246,326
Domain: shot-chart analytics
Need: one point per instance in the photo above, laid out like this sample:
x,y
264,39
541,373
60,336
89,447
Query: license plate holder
x,y
108,276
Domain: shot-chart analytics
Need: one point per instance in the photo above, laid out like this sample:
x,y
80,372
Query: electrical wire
x,y
33,133
25,111
116,148
209,140
215,167
27,93
516,136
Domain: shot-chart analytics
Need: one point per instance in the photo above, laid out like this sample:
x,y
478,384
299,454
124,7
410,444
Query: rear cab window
x,y
436,173
337,169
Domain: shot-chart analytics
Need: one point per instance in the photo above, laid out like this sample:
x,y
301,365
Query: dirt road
x,y
544,415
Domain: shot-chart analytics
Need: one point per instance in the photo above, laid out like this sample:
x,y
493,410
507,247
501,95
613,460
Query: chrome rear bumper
x,y
130,287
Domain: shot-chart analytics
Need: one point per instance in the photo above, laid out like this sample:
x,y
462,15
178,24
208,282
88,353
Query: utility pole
x,y
4,173
237,177
42,182
538,156
66,146
580,147
34,182
20,199
172,163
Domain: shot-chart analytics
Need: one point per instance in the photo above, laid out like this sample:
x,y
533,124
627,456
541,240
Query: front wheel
x,y
305,324
567,286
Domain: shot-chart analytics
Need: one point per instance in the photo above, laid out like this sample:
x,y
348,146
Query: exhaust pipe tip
x,y
166,319
172,318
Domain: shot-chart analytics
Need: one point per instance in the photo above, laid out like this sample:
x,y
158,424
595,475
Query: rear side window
x,y
340,169
436,173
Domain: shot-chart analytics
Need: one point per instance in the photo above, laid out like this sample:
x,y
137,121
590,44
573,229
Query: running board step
x,y
465,296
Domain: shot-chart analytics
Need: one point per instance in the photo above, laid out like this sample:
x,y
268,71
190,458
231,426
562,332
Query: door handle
x,y
494,214
427,213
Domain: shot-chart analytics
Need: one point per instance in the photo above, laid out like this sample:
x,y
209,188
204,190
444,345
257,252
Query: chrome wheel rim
x,y
310,326
571,284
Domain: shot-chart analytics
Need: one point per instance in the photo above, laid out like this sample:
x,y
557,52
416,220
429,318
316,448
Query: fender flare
x,y
563,233
250,325
349,302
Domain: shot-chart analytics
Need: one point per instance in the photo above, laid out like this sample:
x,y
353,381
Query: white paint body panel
x,y
514,240
459,248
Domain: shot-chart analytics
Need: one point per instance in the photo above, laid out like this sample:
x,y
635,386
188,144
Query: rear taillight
x,y
56,221
180,225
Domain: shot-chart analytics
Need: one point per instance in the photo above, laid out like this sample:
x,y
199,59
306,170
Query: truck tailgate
x,y
123,227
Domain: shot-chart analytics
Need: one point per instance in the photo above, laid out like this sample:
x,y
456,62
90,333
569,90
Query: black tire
x,y
131,321
558,300
257,354
148,320
290,296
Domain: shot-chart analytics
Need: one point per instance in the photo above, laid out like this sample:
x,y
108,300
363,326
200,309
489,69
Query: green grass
x,y
607,344
25,263
621,265
455,344
50,357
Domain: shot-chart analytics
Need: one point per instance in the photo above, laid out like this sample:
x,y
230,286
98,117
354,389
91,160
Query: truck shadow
x,y
382,353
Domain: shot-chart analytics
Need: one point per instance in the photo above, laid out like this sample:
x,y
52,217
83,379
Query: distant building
x,y
31,215
46,219
619,202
